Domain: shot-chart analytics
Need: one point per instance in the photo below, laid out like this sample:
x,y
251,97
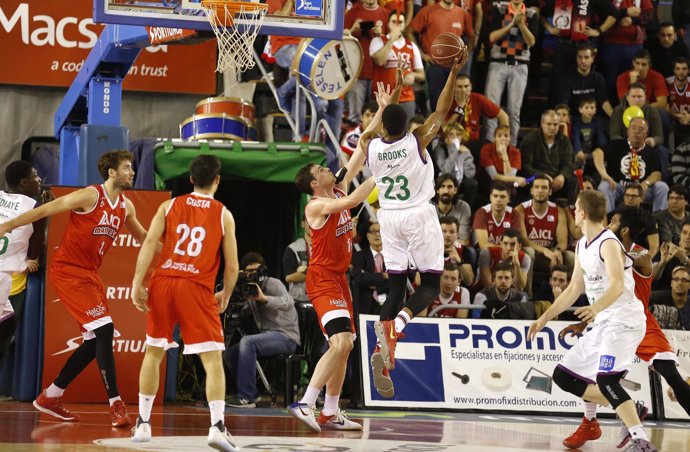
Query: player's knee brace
x,y
610,387
569,383
338,325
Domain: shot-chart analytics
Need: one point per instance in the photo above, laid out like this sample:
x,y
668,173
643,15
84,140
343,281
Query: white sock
x,y
330,405
113,400
145,406
217,408
590,410
637,432
54,391
310,395
401,321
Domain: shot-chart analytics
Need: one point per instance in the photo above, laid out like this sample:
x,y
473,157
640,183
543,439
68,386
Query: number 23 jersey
x,y
193,234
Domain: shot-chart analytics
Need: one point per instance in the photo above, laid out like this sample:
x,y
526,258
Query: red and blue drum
x,y
217,126
329,68
231,106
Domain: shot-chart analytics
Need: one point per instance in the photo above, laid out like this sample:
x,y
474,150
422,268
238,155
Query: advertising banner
x,y
473,364
62,334
680,340
45,43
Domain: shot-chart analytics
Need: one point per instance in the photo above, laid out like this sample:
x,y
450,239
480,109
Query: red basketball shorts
x,y
655,345
329,293
177,300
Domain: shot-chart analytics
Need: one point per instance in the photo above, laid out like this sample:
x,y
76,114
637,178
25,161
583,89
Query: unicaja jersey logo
x,y
312,8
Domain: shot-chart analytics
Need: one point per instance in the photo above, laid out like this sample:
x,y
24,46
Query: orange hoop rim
x,y
233,7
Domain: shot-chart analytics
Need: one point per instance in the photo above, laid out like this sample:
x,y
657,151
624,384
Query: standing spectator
x,y
679,100
671,307
296,263
680,165
497,297
665,48
454,251
452,157
672,256
621,162
431,21
548,151
584,82
493,219
365,21
671,220
391,50
448,203
475,9
452,293
351,139
512,32
572,26
369,276
680,12
510,250
588,134
624,40
501,160
642,72
470,108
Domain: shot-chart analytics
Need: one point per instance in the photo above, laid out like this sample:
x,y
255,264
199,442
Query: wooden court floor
x,y
184,427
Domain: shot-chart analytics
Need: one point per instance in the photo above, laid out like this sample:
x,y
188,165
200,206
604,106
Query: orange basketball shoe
x,y
587,431
381,376
53,406
388,339
118,415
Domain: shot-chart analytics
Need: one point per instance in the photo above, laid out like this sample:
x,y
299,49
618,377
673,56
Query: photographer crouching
x,y
276,318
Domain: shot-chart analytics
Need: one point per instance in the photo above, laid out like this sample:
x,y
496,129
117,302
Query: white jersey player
x,y
592,368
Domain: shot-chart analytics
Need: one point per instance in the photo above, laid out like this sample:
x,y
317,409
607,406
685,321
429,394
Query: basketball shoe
x,y
587,431
337,421
624,435
382,378
388,339
220,438
141,432
305,414
640,445
53,406
118,415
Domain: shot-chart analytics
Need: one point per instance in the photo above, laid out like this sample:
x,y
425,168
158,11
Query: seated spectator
x,y
670,307
501,295
296,263
452,293
501,161
509,251
387,51
649,237
564,124
369,276
679,100
671,220
549,152
454,251
493,219
350,141
672,256
544,227
642,72
549,290
276,318
588,134
680,165
448,202
452,157
633,160
665,47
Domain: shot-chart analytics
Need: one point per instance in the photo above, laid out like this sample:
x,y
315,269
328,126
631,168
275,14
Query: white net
x,y
236,27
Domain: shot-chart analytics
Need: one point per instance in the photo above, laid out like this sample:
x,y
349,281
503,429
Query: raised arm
x,y
320,207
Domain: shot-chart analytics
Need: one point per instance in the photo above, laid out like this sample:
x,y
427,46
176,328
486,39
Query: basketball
x,y
446,47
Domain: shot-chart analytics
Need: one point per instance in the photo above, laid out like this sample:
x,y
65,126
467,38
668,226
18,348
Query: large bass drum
x,y
329,68
217,126
231,106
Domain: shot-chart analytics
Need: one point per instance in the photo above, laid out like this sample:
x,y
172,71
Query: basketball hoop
x,y
236,25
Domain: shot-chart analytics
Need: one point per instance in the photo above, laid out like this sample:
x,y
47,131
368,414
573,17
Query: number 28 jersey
x,y
403,177
193,234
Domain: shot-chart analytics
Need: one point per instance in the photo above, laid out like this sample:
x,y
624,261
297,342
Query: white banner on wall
x,y
680,341
473,364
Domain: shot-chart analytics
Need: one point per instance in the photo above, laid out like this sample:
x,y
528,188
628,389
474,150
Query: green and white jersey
x,y
14,245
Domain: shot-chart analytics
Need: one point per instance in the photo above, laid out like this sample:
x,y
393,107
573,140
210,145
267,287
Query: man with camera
x,y
275,315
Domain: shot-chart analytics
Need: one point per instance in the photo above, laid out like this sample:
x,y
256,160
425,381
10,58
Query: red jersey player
x,y
194,229
654,349
97,213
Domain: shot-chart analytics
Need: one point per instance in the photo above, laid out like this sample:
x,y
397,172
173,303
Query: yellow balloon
x,y
630,113
373,196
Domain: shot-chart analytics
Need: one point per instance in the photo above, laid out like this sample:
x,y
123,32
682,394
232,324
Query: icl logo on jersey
x,y
311,8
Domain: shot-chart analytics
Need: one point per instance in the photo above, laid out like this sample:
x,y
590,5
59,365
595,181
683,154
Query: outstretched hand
x,y
458,64
399,75
383,94
573,330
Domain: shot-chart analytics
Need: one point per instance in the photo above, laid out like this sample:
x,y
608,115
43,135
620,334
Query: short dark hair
x,y
560,268
681,60
204,169
252,257
444,177
642,54
111,160
504,266
451,266
584,45
587,100
370,106
463,77
448,219
396,12
16,171
304,177
512,234
394,119
631,218
666,23
593,204
634,186
589,179
637,85
499,186
562,107
678,189
542,176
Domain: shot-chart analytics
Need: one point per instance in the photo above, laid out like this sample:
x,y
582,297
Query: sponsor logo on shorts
x,y
606,363
180,266
338,303
96,312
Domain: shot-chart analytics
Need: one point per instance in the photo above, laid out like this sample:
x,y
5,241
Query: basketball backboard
x,y
312,18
